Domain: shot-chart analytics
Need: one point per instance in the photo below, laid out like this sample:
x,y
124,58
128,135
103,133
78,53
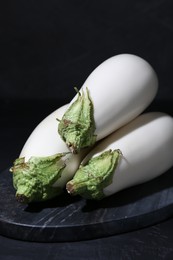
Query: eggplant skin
x,y
146,152
120,89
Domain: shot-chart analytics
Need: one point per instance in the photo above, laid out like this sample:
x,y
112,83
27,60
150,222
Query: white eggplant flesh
x,y
146,152
120,89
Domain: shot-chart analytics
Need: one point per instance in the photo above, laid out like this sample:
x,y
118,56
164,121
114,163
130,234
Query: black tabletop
x,y
46,49
150,243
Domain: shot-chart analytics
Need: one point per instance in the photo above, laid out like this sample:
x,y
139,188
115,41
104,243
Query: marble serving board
x,y
67,218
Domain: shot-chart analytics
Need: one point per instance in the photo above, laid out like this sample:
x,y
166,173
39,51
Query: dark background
x,y
49,47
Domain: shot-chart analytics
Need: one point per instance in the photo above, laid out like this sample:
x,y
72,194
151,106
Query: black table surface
x,y
18,119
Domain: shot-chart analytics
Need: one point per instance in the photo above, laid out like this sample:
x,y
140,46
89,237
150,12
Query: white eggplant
x,y
136,153
117,91
45,163
44,140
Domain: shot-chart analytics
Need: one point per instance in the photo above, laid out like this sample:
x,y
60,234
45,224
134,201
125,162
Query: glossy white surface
x,y
120,88
45,140
146,144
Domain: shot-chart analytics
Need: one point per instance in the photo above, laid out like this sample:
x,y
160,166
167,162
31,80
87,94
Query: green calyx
x,y
33,180
77,126
90,179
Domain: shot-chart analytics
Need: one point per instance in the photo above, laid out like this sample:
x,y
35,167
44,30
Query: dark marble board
x,y
67,218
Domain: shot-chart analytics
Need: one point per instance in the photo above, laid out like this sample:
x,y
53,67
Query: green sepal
x,y
90,179
34,179
77,125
